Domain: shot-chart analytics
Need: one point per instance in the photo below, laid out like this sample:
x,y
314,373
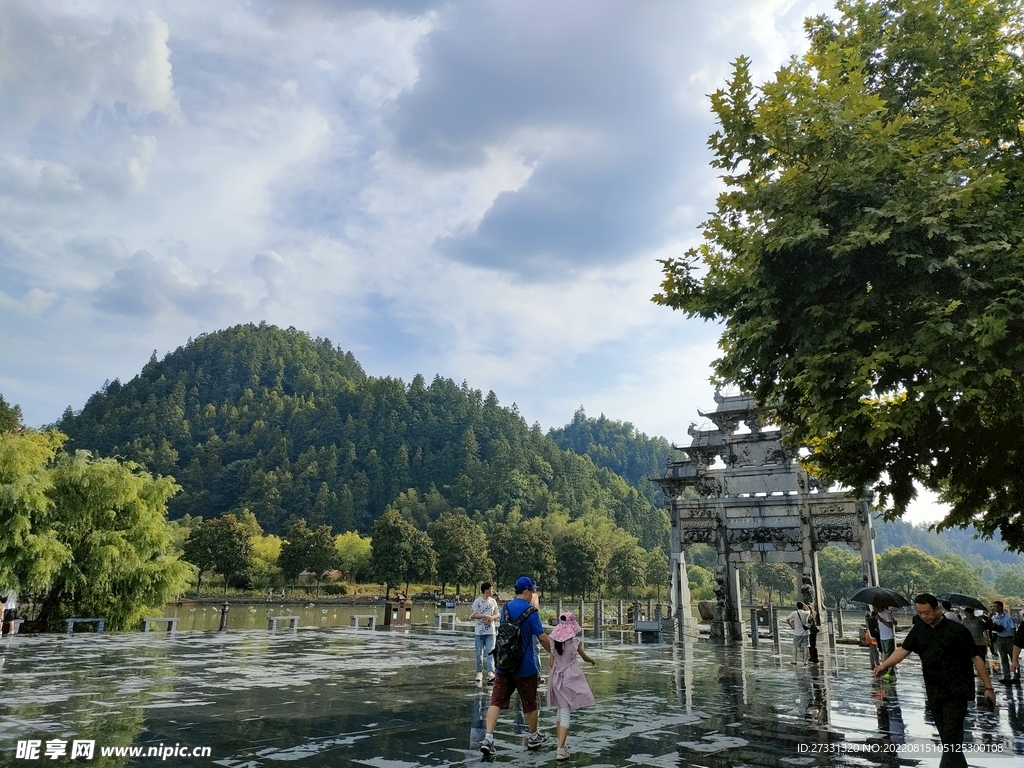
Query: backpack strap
x,y
522,616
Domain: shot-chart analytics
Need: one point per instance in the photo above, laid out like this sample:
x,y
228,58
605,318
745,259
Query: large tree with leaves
x,y
83,536
841,574
224,545
867,254
461,547
306,549
581,562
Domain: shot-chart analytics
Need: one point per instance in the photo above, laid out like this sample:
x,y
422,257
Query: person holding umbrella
x,y
947,652
880,599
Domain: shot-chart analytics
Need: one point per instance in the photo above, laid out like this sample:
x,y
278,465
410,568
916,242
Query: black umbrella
x,y
879,596
965,600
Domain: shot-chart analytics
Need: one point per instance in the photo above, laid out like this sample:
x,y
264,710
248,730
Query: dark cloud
x,y
302,10
597,97
147,287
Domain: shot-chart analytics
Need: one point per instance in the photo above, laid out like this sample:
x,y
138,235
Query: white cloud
x,y
33,302
68,64
477,190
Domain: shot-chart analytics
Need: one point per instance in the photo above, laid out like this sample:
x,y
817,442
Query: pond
x,y
337,696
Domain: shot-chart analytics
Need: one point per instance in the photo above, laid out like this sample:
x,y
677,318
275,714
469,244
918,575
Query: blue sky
x,y
476,189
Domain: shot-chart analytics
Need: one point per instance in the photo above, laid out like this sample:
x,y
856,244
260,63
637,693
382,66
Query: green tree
x,y
10,416
399,552
234,550
266,550
907,570
865,258
1010,583
421,565
628,568
354,554
223,545
841,574
580,562
522,548
84,536
201,551
656,572
703,555
307,550
954,574
702,583
461,547
774,577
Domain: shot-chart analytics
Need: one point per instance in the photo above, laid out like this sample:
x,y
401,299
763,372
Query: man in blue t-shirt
x,y
526,677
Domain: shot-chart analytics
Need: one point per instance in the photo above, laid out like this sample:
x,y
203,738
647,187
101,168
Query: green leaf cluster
x,y
866,258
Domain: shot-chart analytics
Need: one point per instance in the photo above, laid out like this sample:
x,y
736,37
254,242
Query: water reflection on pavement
x,y
345,697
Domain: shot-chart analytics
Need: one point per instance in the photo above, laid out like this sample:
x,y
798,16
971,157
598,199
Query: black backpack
x,y
508,650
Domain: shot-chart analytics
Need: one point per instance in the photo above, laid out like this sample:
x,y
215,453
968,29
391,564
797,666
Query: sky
x,y
480,190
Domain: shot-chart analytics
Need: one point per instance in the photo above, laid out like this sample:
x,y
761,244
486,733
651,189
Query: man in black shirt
x,y
948,653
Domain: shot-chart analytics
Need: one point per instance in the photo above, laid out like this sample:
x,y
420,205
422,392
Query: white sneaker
x,y
535,741
487,747
479,677
561,753
490,678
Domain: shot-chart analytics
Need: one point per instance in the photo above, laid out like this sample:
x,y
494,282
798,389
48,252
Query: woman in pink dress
x,y
567,686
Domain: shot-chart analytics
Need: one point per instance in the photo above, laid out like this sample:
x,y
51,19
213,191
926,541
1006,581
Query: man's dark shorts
x,y
501,693
9,615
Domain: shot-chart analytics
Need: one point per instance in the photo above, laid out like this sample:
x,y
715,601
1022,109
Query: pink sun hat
x,y
567,629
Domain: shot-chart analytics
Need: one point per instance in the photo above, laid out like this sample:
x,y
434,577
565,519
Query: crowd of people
x,y
953,648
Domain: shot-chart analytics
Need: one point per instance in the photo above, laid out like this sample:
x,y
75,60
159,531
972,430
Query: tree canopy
x,y
866,258
83,536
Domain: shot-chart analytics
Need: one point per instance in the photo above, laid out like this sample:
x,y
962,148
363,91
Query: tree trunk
x,y
199,586
49,611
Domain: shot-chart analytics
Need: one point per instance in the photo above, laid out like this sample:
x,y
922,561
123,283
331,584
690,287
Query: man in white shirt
x,y
798,620
947,611
886,631
1002,628
485,613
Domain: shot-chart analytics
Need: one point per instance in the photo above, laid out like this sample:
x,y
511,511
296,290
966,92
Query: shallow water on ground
x,y
333,697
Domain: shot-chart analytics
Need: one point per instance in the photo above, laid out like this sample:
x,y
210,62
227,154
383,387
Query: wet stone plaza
x,y
340,696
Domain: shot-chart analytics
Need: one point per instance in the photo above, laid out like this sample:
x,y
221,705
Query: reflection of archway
x,y
744,492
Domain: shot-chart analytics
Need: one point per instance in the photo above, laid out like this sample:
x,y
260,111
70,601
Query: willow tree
x,y
866,258
84,536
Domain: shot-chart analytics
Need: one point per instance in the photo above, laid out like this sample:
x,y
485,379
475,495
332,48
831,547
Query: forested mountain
x,y
618,446
271,420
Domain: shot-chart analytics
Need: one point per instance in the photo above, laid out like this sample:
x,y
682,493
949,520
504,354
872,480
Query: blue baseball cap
x,y
524,583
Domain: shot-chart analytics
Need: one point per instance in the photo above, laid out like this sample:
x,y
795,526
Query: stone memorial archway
x,y
757,505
